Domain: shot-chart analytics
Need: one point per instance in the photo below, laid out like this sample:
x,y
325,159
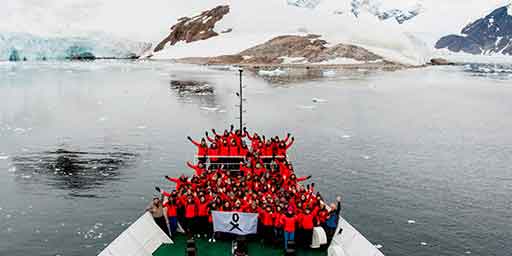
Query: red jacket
x,y
202,208
224,150
288,223
266,218
213,152
172,209
190,210
201,150
233,151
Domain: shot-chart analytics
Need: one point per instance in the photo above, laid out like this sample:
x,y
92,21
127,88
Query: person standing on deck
x,y
202,149
332,221
157,211
289,221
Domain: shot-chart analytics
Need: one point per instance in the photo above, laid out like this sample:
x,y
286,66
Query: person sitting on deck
x,y
157,211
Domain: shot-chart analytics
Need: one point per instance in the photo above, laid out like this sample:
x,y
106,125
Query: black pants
x,y
202,225
189,225
307,237
160,221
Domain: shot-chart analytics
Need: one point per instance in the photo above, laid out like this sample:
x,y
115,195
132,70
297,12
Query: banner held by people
x,y
239,223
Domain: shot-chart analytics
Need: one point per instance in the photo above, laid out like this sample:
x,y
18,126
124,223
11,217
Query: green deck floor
x,y
204,248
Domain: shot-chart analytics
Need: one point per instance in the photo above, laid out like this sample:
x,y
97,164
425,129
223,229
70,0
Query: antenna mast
x,y
241,100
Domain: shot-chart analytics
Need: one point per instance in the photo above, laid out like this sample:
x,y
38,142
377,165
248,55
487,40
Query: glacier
x,y
26,46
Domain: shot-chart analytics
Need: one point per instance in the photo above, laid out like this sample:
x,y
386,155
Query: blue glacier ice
x,y
20,46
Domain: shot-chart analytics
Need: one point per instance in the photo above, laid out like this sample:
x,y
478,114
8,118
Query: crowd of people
x,y
231,176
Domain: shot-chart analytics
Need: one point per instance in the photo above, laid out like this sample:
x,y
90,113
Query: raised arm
x,y
291,143
299,179
193,142
171,179
208,137
287,138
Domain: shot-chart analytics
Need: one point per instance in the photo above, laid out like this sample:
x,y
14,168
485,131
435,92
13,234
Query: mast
x,y
241,100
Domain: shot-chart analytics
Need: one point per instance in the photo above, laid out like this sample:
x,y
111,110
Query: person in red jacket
x,y
307,223
278,227
289,221
202,206
213,152
171,205
267,221
199,168
202,149
190,214
181,182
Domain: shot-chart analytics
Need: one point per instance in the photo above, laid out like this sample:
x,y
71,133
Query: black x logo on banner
x,y
234,223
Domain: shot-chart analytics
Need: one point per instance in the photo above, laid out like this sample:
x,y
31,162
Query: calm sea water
x,y
431,146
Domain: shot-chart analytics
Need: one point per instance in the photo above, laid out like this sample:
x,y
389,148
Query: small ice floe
x,y
142,127
4,157
275,72
318,100
103,119
346,136
366,157
411,222
12,169
26,176
307,107
378,246
19,130
467,252
9,230
209,109
423,244
222,111
329,73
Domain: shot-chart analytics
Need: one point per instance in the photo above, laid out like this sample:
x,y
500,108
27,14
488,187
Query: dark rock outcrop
x,y
191,87
196,28
14,55
440,62
310,49
488,35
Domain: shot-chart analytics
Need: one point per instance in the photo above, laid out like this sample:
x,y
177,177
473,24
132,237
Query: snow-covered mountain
x,y
400,30
491,34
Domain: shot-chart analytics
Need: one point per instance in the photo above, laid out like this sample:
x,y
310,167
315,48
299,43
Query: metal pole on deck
x,y
241,100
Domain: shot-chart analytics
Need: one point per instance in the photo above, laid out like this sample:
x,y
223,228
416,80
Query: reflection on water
x,y
72,170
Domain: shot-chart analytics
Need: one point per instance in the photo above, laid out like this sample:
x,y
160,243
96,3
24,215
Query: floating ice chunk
x,y
467,252
222,111
275,72
210,109
378,246
12,169
346,136
4,157
318,100
423,244
411,221
19,130
142,127
103,119
329,73
308,107
9,230
26,176
366,157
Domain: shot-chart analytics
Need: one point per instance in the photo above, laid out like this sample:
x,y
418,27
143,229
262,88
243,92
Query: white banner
x,y
239,223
